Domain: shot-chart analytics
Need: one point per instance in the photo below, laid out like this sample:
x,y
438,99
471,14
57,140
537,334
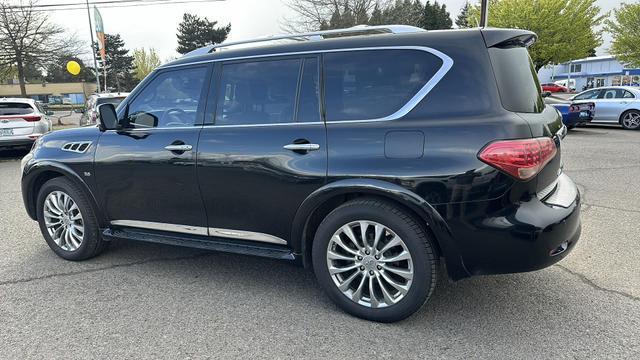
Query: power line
x,y
106,4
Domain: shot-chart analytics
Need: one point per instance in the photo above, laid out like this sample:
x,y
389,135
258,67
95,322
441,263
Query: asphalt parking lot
x,y
150,301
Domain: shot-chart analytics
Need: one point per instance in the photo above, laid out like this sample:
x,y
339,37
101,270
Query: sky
x,y
155,26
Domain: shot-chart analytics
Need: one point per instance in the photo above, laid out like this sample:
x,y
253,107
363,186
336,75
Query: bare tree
x,y
316,14
28,37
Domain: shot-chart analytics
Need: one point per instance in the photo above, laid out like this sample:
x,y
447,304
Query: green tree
x,y
435,17
118,62
144,62
462,21
195,32
626,37
566,29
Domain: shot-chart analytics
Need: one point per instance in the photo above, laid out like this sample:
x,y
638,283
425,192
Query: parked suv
x,y
22,121
359,155
90,114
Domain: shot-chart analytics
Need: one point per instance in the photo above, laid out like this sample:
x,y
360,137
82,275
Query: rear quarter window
x,y
13,108
373,84
517,80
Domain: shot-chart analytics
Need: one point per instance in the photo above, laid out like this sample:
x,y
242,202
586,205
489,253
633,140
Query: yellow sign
x,y
73,67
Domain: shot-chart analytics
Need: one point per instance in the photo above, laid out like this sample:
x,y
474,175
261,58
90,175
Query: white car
x,y
614,104
22,121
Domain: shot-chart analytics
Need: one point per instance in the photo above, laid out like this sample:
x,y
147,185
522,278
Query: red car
x,y
551,87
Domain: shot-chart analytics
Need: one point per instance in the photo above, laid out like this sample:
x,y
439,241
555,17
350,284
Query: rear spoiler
x,y
508,38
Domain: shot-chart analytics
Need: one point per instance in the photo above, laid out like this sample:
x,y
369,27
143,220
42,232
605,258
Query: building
x,y
591,72
56,93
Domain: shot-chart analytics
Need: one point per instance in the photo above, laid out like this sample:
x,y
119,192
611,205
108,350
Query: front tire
x,y
630,120
67,220
374,260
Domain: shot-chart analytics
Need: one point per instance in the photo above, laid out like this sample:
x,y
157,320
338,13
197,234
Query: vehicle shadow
x,y
481,303
13,154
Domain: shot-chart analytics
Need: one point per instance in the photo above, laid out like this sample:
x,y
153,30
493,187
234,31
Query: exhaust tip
x,y
560,249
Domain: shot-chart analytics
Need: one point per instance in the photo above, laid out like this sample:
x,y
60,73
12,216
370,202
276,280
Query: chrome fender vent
x,y
77,146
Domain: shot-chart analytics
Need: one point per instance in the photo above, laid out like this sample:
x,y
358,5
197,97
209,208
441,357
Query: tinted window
x,y
169,100
517,79
9,108
591,94
260,92
628,95
308,103
362,85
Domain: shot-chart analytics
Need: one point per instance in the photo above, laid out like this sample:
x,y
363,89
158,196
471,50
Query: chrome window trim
x,y
202,231
447,63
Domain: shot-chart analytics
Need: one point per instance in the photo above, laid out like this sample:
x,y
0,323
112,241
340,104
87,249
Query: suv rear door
x,y
263,148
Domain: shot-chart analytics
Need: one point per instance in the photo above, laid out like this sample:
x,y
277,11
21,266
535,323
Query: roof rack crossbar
x,y
314,35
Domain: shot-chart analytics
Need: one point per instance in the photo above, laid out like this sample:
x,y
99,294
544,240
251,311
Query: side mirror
x,y
108,119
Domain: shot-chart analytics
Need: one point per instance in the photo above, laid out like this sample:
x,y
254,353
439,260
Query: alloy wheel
x,y
631,120
370,264
63,220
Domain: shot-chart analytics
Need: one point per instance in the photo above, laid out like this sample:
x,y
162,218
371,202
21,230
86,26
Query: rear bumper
x,y
526,236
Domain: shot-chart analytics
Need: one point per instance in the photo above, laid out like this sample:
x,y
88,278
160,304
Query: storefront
x,y
591,72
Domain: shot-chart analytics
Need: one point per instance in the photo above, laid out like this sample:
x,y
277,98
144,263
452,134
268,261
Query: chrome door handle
x,y
302,147
178,147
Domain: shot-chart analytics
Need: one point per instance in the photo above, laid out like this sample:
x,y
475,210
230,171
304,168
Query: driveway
x,y
150,301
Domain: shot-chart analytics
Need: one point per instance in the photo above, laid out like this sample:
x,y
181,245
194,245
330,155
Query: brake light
x,y
31,118
522,159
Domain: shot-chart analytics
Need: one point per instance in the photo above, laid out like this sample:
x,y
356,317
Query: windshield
x,y
115,101
8,108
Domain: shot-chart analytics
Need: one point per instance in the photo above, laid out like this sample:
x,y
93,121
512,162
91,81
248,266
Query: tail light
x,y
31,118
522,159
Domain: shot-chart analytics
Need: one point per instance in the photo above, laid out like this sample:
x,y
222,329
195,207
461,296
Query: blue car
x,y
575,114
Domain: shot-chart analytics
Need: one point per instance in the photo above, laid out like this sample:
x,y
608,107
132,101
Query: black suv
x,y
368,154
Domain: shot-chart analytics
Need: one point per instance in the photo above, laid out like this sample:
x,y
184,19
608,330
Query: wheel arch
x,y
624,112
38,174
322,201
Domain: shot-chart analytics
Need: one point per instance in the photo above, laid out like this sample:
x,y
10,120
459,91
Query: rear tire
x,y
630,120
400,287
67,220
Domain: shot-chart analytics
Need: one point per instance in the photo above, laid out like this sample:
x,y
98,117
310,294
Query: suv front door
x,y
145,172
263,149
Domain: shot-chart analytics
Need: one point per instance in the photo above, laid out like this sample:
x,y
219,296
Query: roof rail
x,y
314,35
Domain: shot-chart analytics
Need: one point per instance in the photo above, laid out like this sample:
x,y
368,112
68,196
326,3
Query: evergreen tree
x,y
347,19
119,64
376,16
435,17
462,21
195,32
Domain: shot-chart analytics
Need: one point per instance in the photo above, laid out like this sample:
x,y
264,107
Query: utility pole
x,y
484,13
95,63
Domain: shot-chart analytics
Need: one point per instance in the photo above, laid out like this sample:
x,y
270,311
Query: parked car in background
x,y
358,156
91,111
575,114
554,88
613,104
22,121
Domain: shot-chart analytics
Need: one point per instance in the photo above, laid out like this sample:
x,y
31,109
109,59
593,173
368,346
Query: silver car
x,y
614,104
22,121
